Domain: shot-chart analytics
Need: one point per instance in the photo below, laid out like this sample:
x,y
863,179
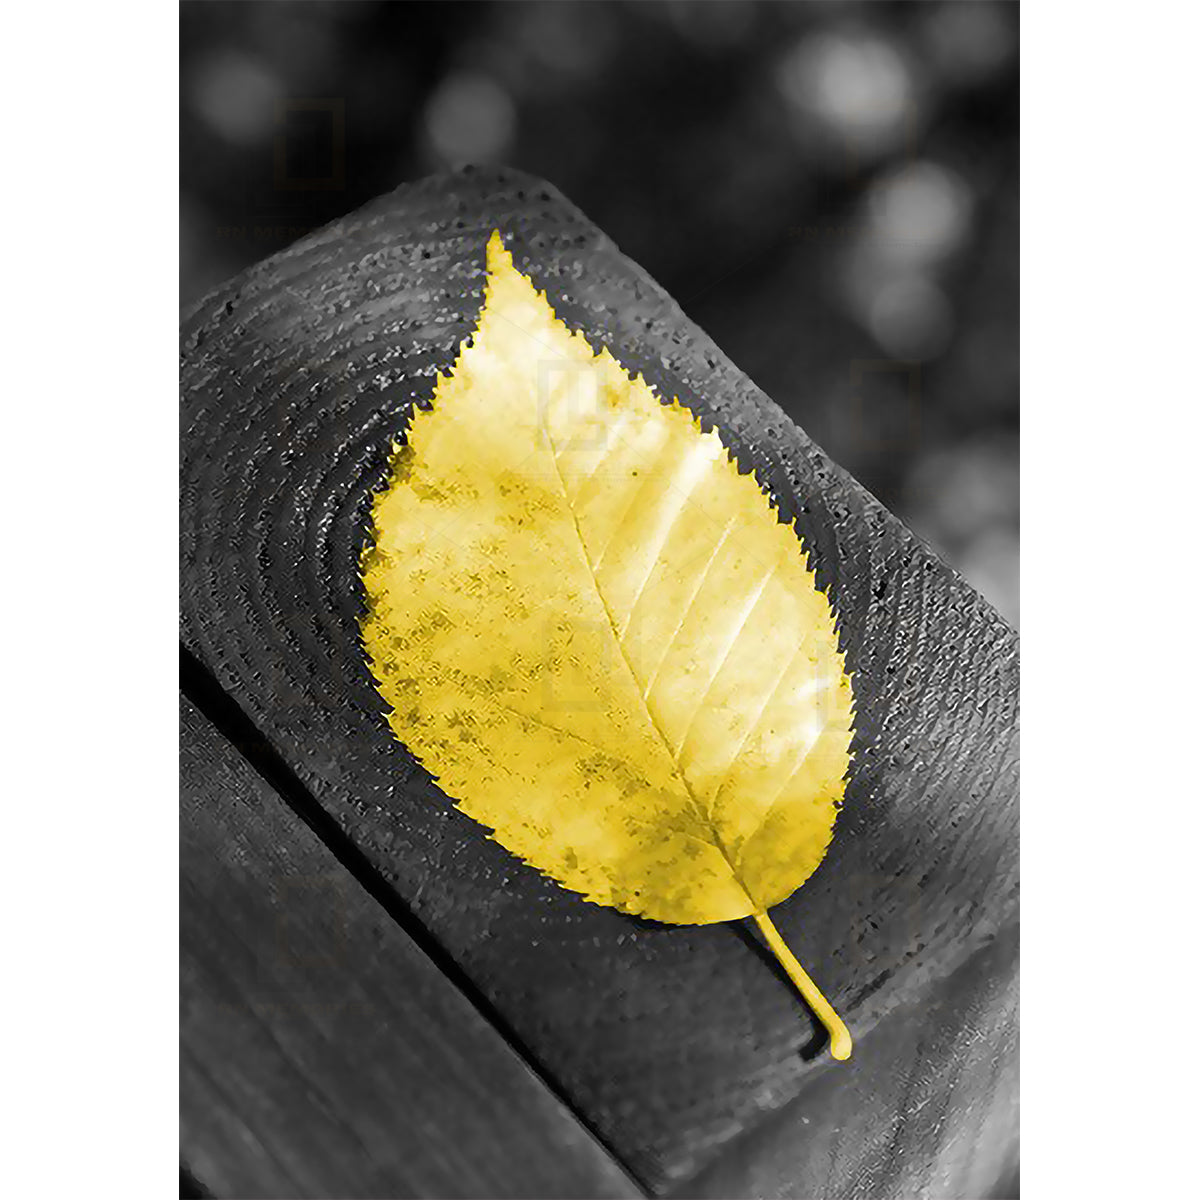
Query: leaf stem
x,y
839,1036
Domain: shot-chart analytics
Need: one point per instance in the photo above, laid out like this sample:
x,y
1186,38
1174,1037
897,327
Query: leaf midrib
x,y
700,812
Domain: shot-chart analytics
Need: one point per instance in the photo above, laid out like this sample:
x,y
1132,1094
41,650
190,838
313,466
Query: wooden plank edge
x,y
617,1179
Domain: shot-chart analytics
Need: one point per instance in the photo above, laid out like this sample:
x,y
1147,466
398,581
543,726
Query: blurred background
x,y
828,188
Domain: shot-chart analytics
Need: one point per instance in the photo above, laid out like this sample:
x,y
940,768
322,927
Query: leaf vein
x,y
697,810
753,727
692,471
747,609
687,608
787,783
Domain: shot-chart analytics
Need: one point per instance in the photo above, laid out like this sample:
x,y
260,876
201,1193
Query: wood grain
x,y
673,1042
927,1106
322,1054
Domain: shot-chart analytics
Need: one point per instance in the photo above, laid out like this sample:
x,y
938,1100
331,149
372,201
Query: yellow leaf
x,y
598,637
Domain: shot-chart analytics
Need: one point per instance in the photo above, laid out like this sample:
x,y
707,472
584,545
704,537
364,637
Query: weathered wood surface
x,y
927,1106
322,1053
672,1043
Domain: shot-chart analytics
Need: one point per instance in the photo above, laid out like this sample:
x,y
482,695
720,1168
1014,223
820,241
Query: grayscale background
x,y
830,190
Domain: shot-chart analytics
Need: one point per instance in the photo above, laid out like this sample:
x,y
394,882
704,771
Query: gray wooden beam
x,y
672,1043
322,1053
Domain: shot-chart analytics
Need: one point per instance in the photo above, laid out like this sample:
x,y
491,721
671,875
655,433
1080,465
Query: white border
x,y
90,879
1109,845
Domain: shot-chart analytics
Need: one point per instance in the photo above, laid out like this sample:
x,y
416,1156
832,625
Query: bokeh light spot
x,y
919,214
469,119
237,96
969,42
856,85
910,318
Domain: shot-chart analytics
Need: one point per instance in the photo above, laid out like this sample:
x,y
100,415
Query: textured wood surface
x,y
927,1106
674,1043
322,1054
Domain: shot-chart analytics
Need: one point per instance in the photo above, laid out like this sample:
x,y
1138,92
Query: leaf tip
x,y
498,255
